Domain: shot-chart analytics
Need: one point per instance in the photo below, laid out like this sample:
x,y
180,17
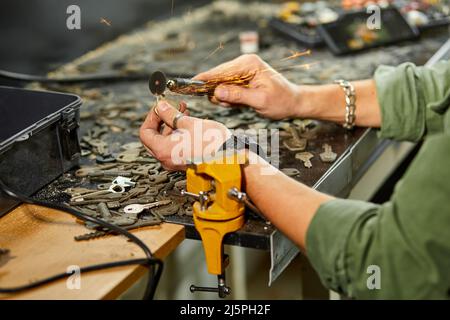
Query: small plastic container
x,y
38,139
249,42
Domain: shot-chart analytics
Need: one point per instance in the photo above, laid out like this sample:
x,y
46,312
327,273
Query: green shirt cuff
x,y
412,99
326,239
402,116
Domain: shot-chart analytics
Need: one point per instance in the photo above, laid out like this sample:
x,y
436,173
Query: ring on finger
x,y
177,117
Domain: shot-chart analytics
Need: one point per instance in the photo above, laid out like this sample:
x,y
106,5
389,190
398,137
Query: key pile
x,y
132,178
114,179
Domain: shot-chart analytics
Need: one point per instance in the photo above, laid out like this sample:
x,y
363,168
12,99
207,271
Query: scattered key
x,y
328,155
290,172
296,143
138,208
103,210
152,221
305,157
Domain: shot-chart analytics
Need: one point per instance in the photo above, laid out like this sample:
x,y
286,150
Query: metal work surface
x,y
203,38
257,233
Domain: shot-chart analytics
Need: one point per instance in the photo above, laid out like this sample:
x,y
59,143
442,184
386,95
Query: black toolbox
x,y
38,139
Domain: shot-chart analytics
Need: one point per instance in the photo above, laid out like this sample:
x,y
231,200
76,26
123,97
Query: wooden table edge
x,y
135,271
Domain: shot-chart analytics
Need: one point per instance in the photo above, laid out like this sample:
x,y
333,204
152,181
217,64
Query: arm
x,y
412,99
327,102
273,96
407,238
403,101
279,207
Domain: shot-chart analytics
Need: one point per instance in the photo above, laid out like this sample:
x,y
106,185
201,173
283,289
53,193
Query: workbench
x,y
167,45
41,244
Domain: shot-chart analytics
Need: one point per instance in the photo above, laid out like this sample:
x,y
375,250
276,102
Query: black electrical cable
x,y
117,76
149,261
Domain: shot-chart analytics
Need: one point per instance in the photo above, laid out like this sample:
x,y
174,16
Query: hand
x,y
269,93
193,137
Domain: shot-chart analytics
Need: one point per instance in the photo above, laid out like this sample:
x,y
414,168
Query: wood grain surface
x,y
41,244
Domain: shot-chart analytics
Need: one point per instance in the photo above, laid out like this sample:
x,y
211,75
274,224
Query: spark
x,y
305,66
220,47
296,54
105,21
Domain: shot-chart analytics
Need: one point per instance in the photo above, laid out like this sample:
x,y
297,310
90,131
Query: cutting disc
x,y
157,83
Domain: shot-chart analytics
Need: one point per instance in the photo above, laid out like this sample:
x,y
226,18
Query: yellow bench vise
x,y
216,212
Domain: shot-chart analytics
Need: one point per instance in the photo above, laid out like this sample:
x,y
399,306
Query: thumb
x,y
236,94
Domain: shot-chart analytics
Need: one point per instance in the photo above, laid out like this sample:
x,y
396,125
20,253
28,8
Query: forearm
x,y
290,206
327,102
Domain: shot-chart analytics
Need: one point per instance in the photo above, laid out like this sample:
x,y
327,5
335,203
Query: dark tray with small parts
x,y
256,232
313,36
306,35
38,139
350,33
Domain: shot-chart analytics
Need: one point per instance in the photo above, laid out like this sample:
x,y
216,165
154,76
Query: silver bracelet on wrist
x,y
350,99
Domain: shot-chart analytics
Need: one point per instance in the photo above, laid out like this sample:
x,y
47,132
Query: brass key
x,y
138,208
306,158
328,155
296,143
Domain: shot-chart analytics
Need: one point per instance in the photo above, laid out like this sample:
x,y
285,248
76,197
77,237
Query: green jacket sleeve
x,y
411,99
398,250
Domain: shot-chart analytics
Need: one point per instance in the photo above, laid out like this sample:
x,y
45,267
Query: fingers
x,y
239,95
149,132
167,114
218,71
152,121
183,108
214,100
161,145
235,67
